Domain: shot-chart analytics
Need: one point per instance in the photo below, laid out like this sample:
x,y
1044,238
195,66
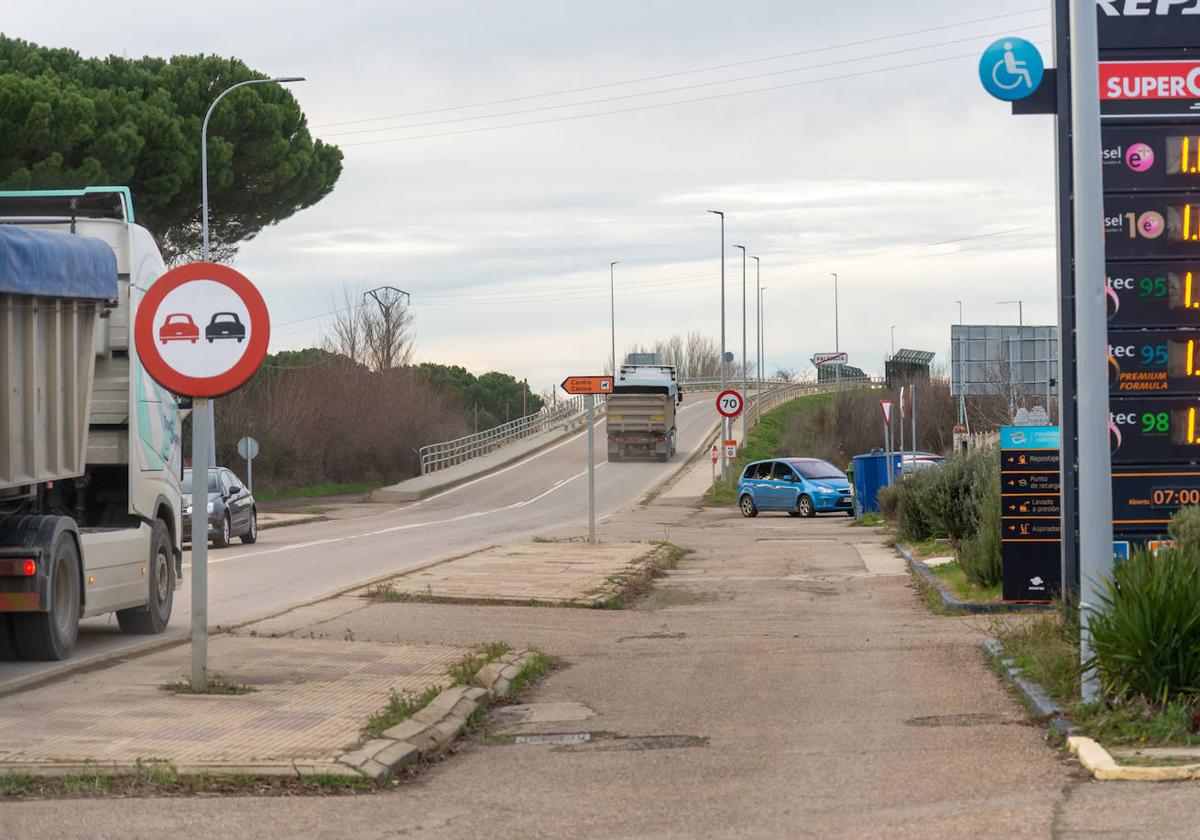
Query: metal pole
x,y
894,339
837,348
745,384
902,430
721,364
249,473
612,288
912,392
1091,336
959,302
204,249
200,456
887,448
590,402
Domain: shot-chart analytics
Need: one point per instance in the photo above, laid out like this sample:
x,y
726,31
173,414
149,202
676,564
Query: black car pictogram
x,y
225,325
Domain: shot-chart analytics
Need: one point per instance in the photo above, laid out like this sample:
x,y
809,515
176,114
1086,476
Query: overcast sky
x,y
856,162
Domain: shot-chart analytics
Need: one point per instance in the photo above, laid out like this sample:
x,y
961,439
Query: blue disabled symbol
x,y
1011,69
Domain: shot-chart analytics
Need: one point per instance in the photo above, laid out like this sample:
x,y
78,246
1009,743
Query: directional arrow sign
x,y
588,384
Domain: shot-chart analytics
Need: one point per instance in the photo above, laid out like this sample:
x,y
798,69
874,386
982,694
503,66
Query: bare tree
x,y
346,335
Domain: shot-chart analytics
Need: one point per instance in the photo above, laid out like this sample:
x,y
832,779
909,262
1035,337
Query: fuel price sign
x,y
1152,225
1159,362
1162,429
1151,157
1162,294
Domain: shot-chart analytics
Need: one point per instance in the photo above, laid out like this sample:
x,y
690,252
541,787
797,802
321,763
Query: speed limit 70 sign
x,y
729,403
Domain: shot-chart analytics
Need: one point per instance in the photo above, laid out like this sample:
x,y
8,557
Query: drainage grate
x,y
980,719
554,738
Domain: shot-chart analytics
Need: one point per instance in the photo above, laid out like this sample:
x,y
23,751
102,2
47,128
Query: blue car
x,y
800,486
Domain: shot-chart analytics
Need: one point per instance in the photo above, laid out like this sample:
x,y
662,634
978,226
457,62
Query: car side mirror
x,y
234,490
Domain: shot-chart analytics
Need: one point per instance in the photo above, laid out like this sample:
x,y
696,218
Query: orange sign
x,y
588,384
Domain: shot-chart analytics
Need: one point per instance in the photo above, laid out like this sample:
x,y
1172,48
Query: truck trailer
x,y
641,412
89,444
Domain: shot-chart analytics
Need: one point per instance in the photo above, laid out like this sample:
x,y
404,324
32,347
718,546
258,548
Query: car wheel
x,y
222,537
747,507
850,512
194,340
210,341
251,535
164,341
804,507
241,339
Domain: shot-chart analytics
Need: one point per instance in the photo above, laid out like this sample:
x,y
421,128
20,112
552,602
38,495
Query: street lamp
x,y
959,302
202,415
612,290
758,337
836,345
744,364
721,363
762,342
894,339
1020,309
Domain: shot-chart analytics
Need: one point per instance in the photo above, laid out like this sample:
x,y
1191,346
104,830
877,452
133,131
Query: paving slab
x,y
311,698
558,573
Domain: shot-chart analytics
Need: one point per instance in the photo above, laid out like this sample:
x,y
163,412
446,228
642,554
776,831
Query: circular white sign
x,y
202,328
729,403
247,447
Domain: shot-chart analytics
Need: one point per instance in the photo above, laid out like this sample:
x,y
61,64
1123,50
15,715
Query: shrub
x,y
1146,631
888,501
921,506
968,480
1185,529
979,554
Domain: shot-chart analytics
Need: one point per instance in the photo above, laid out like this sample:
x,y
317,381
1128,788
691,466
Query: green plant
x,y
400,708
537,666
979,555
1046,650
1146,632
470,665
919,513
888,500
1185,529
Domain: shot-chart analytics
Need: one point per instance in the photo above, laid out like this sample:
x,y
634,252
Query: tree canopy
x,y
69,122
498,396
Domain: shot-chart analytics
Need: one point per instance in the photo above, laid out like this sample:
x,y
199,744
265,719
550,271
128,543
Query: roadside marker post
x,y
589,386
212,302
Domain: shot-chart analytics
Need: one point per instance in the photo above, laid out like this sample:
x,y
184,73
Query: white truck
x,y
641,410
89,444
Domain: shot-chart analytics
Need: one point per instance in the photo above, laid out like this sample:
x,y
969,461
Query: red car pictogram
x,y
179,326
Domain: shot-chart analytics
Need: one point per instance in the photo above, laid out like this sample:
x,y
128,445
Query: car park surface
x,y
799,486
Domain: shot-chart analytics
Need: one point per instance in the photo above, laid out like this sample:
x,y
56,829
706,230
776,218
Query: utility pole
x,y
721,364
837,372
758,337
389,299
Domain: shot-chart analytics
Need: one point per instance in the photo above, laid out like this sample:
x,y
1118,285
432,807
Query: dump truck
x,y
641,411
89,445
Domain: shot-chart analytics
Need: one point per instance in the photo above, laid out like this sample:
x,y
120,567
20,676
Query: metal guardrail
x,y
437,456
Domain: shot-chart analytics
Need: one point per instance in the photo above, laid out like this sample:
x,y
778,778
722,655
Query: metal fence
x,y
437,456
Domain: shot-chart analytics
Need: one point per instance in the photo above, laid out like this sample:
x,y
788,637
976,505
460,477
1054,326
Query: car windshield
x,y
186,484
817,469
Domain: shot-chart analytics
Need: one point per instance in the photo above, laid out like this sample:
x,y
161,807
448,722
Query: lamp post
x,y
837,368
744,362
612,290
894,339
1020,309
758,338
959,302
762,343
205,438
721,362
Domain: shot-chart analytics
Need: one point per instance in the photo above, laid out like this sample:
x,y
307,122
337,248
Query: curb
x,y
433,729
956,605
315,517
1097,761
1034,695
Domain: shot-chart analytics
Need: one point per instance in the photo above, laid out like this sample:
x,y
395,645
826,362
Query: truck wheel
x,y
50,636
8,642
153,617
251,535
221,538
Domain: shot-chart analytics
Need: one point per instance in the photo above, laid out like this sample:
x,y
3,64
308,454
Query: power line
x,y
661,91
661,76
637,108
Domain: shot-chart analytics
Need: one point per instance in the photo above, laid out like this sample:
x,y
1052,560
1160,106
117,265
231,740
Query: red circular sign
x,y
202,330
729,403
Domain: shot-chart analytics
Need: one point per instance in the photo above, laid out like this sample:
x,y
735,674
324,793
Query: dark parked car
x,y
231,508
800,486
225,325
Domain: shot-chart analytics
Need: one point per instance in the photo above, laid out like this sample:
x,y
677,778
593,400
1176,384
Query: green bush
x,y
979,554
969,480
1146,631
888,501
1185,529
919,512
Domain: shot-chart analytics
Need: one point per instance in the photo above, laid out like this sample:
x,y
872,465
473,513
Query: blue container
x,y
870,475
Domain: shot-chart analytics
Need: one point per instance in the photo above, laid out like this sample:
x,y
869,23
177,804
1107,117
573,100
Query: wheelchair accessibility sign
x,y
1011,69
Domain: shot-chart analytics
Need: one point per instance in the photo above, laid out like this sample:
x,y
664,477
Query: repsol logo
x,y
1145,8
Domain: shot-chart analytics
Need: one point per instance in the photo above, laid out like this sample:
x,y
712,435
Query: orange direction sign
x,y
588,384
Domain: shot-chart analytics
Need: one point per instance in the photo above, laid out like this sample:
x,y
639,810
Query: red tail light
x,y
21,567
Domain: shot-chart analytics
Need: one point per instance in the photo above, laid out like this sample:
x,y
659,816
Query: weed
x,y
1046,650
535,668
1139,723
870,520
400,708
216,684
469,666
349,636
316,510
962,587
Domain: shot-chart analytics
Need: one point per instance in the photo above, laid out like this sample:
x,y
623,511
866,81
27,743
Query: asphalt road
x,y
295,565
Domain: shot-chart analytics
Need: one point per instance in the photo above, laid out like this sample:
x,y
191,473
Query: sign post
x,y
247,447
219,305
886,407
589,386
729,405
